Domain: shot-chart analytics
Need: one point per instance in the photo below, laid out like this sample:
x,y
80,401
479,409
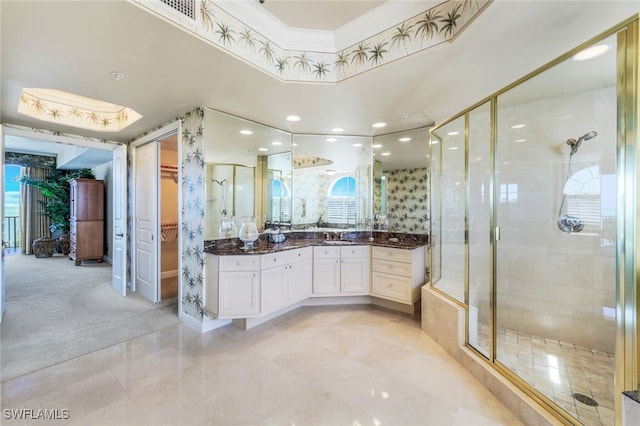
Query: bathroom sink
x,y
338,242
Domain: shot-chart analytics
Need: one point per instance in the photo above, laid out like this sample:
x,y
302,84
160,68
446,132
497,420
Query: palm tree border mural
x,y
436,25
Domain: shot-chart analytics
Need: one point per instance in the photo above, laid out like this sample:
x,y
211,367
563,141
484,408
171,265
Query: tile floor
x,y
559,370
314,366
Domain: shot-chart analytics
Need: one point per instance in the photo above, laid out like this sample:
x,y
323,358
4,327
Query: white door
x,y
2,294
146,207
119,228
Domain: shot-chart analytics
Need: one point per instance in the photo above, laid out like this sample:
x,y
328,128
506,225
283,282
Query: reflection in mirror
x,y
401,181
332,178
247,174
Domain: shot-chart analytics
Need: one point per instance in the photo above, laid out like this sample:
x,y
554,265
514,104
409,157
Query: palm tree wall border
x,y
436,25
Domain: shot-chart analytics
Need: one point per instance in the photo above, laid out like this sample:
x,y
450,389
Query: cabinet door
x,y
300,279
274,291
239,294
326,276
354,276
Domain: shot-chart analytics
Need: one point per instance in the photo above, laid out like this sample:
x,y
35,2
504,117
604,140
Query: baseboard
x,y
337,300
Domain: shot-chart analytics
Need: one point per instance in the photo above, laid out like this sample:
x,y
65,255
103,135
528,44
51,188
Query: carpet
x,y
56,311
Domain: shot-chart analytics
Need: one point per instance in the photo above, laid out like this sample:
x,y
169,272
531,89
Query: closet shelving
x,y
171,169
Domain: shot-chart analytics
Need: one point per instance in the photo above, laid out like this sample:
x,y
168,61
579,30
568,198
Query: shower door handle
x,y
496,233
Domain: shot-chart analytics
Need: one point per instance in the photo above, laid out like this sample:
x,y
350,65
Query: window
x,y
341,204
280,201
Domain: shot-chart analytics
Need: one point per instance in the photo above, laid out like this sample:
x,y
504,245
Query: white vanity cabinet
x,y
233,286
341,270
285,278
398,274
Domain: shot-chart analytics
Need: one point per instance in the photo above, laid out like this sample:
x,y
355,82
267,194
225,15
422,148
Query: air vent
x,y
186,7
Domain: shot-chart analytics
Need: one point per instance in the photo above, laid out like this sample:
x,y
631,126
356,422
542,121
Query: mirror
x,y
400,169
247,174
332,178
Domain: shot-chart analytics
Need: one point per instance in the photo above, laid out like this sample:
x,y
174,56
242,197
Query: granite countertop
x,y
233,246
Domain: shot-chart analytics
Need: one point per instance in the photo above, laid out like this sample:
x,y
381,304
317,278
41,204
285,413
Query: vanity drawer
x,y
326,252
391,287
399,255
354,252
240,263
299,255
274,259
391,267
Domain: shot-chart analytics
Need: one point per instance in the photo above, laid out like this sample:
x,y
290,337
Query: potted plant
x,y
55,188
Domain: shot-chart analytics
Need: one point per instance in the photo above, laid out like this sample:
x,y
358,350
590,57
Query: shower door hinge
x,y
496,233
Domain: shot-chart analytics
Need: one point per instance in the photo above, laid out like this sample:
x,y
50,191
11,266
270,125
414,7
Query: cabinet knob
x,y
299,254
390,285
237,263
274,259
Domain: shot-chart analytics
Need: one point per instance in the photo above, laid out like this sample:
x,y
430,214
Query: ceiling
x,y
74,46
319,15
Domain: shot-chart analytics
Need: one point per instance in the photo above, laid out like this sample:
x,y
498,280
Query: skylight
x,y
56,106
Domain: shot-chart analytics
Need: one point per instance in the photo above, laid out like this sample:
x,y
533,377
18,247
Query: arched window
x,y
341,205
280,201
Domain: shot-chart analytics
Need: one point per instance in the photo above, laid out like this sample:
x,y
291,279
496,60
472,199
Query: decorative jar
x,y
248,233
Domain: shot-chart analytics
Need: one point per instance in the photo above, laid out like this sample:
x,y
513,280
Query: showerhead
x,y
575,144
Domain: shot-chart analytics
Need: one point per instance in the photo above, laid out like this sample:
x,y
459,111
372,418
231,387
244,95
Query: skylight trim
x,y
257,45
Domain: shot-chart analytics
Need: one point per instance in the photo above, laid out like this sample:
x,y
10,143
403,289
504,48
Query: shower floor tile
x,y
559,370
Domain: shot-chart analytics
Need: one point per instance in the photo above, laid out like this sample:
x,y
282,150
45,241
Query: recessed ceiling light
x,y
385,153
331,139
405,139
263,149
357,145
276,143
331,172
293,118
379,125
451,148
591,52
521,140
337,130
453,133
56,106
518,126
246,132
117,75
377,145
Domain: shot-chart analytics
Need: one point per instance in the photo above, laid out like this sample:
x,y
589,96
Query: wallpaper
x,y
193,214
407,203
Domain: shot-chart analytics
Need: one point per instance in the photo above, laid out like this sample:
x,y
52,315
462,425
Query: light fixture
x,y
518,126
331,172
263,149
405,139
56,106
117,75
521,140
276,143
591,52
293,118
385,154
379,125
331,139
357,145
376,145
453,133
451,148
246,132
337,130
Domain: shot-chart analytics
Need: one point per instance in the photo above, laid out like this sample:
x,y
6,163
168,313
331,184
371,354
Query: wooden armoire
x,y
86,220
